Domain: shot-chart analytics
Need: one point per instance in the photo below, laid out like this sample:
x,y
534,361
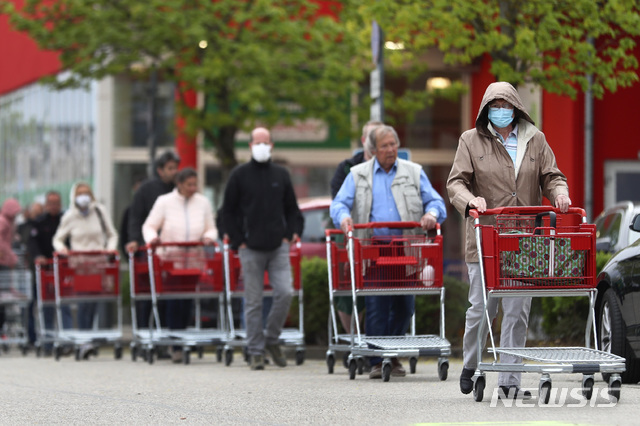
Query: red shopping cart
x,y
407,264
15,298
45,300
290,336
172,271
87,279
541,252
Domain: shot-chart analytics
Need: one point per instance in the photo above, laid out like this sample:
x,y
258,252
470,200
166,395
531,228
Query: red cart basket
x,y
87,277
290,336
176,270
540,252
408,264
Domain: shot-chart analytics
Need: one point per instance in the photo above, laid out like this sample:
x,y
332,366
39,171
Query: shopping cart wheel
x,y
443,370
24,349
186,356
353,366
413,362
150,356
228,357
587,387
117,352
331,361
219,352
200,352
478,389
5,348
38,351
360,363
345,359
299,357
386,371
57,352
614,390
544,391
77,354
134,353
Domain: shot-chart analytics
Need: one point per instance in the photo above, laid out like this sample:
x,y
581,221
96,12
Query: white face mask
x,y
261,152
83,201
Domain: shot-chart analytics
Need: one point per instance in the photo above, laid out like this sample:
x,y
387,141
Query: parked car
x,y
612,227
316,220
618,305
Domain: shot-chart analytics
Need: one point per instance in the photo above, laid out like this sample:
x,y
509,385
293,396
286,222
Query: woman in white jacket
x,y
87,227
182,215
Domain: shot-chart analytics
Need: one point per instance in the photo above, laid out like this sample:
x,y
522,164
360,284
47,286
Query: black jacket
x,y
41,238
343,169
260,207
143,201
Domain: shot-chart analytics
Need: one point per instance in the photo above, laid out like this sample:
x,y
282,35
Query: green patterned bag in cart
x,y
543,260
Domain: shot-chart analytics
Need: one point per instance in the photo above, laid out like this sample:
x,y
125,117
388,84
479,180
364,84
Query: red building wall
x,y
615,132
22,62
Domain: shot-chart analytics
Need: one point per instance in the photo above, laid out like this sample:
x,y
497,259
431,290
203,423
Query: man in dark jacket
x,y
146,195
166,166
262,218
40,248
344,304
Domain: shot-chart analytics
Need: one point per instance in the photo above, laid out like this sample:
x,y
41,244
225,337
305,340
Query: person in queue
x,y
262,218
183,215
504,161
387,189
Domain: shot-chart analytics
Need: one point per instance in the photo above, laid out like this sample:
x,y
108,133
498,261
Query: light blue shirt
x,y
383,206
511,144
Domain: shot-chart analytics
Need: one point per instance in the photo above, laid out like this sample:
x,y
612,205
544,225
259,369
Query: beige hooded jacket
x,y
483,168
85,230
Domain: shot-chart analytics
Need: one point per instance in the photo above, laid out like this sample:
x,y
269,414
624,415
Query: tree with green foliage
x,y
257,61
552,44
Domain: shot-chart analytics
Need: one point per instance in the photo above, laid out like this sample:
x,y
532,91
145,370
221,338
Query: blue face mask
x,y
500,117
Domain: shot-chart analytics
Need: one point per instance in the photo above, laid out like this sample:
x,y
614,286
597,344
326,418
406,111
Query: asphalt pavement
x,y
103,390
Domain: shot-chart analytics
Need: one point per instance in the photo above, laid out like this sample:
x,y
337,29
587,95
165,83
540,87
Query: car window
x,y
633,235
609,226
315,222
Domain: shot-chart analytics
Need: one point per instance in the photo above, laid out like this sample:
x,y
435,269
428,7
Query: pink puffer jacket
x,y
10,210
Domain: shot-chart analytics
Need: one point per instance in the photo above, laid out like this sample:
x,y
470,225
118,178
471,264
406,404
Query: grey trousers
x,y
254,264
514,325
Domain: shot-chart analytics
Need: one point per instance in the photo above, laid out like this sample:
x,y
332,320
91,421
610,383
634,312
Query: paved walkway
x,y
105,391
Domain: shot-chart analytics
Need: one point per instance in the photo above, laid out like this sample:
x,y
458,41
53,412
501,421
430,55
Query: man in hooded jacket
x,y
504,161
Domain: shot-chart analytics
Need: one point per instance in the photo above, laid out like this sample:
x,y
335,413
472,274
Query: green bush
x,y
316,306
315,282
563,318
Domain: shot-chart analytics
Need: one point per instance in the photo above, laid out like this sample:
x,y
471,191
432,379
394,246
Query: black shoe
x,y
514,392
466,384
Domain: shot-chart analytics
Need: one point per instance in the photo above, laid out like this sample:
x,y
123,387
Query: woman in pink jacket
x,y
182,215
8,258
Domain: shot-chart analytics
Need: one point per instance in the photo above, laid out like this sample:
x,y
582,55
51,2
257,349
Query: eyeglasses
x,y
506,105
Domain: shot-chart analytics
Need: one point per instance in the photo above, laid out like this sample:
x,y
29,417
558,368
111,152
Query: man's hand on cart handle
x,y
428,221
208,241
154,242
479,204
563,203
346,225
64,251
131,246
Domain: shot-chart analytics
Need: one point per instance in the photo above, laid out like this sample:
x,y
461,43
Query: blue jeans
x,y
388,316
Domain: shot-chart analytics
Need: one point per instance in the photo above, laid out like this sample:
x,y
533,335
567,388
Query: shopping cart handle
x,y
370,225
474,213
87,252
178,244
